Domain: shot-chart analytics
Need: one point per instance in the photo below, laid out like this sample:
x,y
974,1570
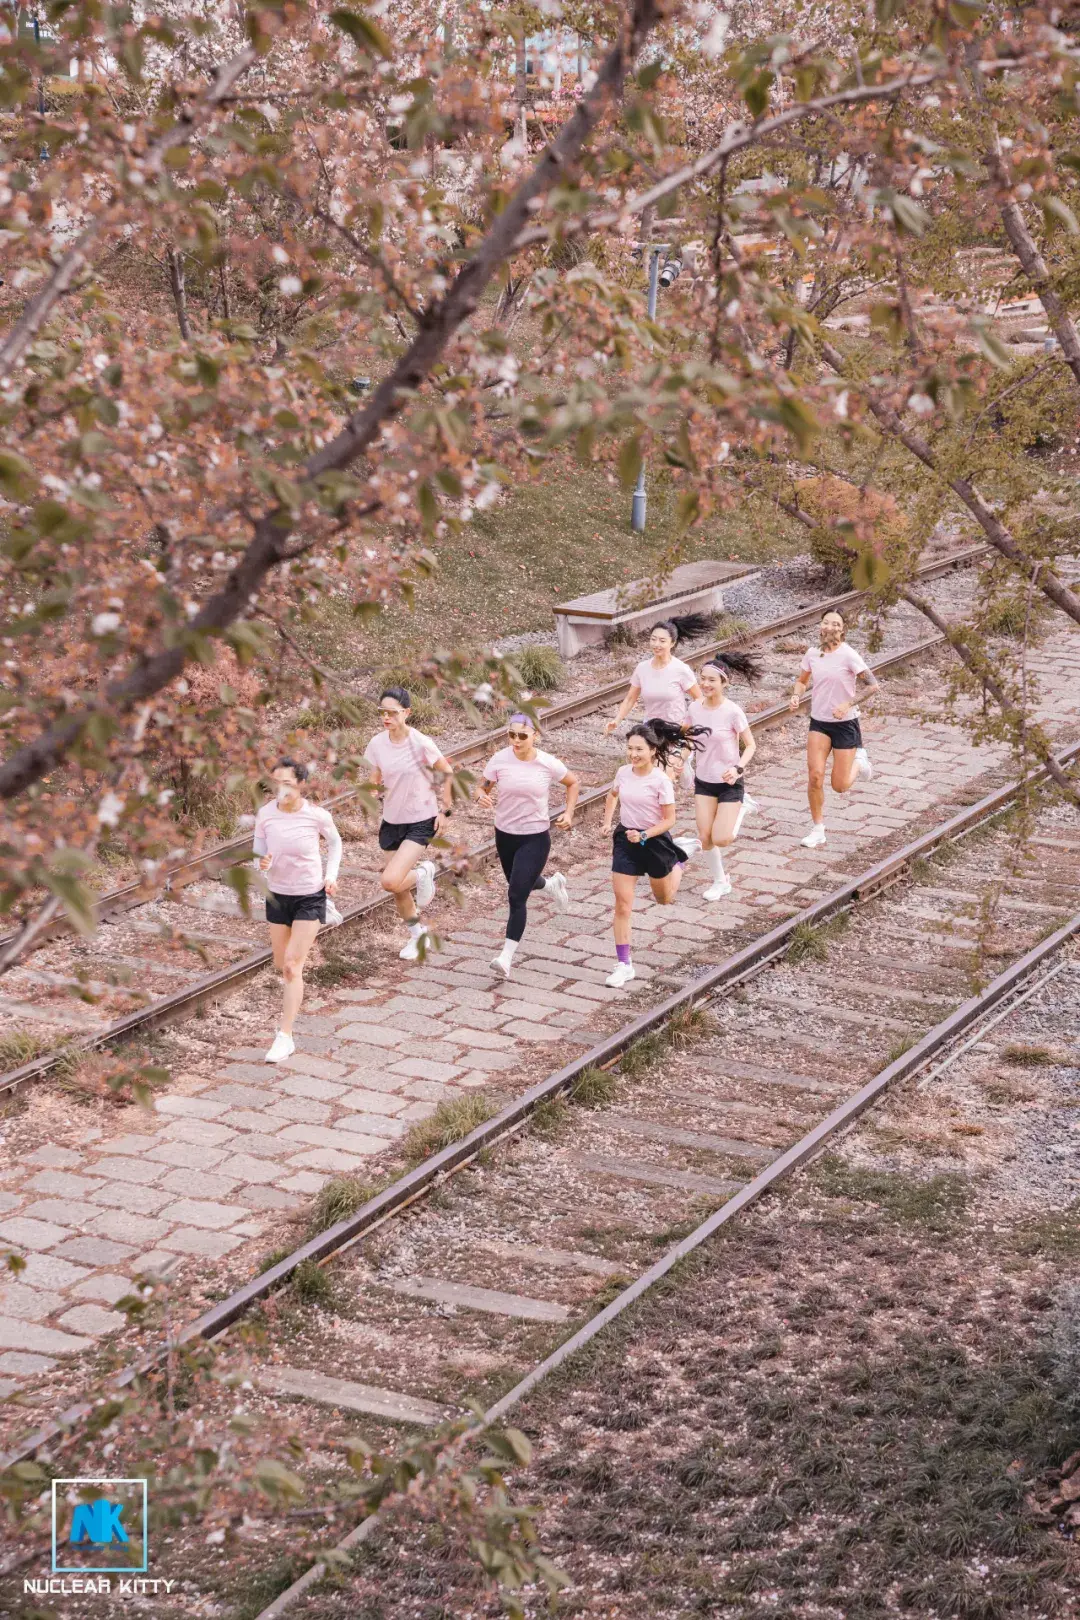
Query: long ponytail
x,y
665,736
746,664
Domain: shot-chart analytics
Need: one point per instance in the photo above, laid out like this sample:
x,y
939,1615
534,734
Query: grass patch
x,y
898,1048
336,1200
594,1088
1010,614
687,1026
339,712
339,967
638,1059
274,1258
262,1586
936,1202
810,942
19,1046
452,1120
541,669
1028,1057
311,1285
550,1118
1055,1235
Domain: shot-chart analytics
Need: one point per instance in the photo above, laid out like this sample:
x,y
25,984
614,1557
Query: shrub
x,y
541,668
849,519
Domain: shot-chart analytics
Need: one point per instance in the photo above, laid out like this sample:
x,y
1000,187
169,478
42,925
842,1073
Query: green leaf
x,y
427,505
18,480
756,94
886,10
992,347
965,12
1055,213
75,897
648,75
799,419
888,318
869,570
278,1481
630,462
911,220
362,31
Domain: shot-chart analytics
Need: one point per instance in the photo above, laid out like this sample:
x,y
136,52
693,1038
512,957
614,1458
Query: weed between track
x,y
452,1120
810,941
1028,1056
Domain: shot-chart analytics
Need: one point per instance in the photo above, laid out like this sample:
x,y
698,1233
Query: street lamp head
x,y
670,273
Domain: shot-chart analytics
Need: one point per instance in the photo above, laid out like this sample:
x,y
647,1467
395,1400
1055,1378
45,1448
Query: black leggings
x,y
523,857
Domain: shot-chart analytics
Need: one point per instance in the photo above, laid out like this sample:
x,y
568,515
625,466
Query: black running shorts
x,y
392,834
724,792
289,908
841,733
655,858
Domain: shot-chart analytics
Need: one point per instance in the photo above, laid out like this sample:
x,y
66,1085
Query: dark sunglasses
x,y
519,736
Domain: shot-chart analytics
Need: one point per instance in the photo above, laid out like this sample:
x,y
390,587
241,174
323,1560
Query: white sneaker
x,y
556,887
623,973
501,965
863,766
425,883
717,890
689,845
816,835
284,1046
410,951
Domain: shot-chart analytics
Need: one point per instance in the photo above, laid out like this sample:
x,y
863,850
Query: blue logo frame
x,y
104,1489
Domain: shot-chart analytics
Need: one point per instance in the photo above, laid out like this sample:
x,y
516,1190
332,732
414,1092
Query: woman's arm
x,y
258,845
624,708
573,788
445,790
333,854
694,692
609,809
842,710
661,826
747,747
483,794
798,691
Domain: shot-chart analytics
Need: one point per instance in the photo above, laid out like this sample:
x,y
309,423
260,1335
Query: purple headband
x,y
524,718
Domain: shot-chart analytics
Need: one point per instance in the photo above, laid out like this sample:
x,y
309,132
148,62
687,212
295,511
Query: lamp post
x,y
657,278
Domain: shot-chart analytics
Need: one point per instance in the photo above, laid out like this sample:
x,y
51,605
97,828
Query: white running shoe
x,y
863,766
425,883
623,973
556,887
501,965
816,835
689,845
283,1047
410,951
717,890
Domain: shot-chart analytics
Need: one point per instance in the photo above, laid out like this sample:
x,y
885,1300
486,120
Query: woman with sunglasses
x,y
523,774
720,798
408,767
643,846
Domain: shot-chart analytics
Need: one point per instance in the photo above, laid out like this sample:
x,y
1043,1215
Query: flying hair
x,y
670,626
746,664
664,737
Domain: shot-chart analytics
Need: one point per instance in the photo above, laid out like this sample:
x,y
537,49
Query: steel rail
x,y
234,850
183,1003
807,1148
415,1183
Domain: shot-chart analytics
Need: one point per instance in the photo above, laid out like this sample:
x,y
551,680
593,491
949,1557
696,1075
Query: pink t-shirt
x,y
524,787
642,798
663,691
833,675
720,751
291,837
406,773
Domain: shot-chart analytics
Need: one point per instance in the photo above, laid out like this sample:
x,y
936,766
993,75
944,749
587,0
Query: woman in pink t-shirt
x,y
642,845
523,775
832,670
417,788
720,798
664,684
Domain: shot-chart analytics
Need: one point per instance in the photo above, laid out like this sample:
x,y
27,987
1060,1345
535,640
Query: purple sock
x,y
623,953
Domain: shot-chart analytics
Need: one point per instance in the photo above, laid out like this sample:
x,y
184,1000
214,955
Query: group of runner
x,y
692,729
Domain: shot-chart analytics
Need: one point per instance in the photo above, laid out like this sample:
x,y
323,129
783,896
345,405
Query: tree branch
x,y
1034,264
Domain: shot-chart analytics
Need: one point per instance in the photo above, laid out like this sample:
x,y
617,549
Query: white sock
x,y
715,862
507,953
415,927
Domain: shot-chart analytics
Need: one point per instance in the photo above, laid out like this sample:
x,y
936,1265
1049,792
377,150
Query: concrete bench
x,y
691,588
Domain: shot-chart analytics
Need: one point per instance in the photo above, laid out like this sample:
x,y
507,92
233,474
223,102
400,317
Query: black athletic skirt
x,y
655,858
392,834
725,792
841,733
289,908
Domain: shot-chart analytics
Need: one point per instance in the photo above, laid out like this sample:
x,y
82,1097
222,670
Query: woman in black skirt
x,y
643,845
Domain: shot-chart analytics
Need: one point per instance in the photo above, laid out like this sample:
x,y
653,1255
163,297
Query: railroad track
x,y
150,933
679,1120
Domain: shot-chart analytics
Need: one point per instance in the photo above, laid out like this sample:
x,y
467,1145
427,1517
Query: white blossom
x,y
103,624
109,810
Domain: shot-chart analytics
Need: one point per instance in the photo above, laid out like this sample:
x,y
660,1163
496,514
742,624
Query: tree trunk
x,y
521,124
1034,264
179,292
